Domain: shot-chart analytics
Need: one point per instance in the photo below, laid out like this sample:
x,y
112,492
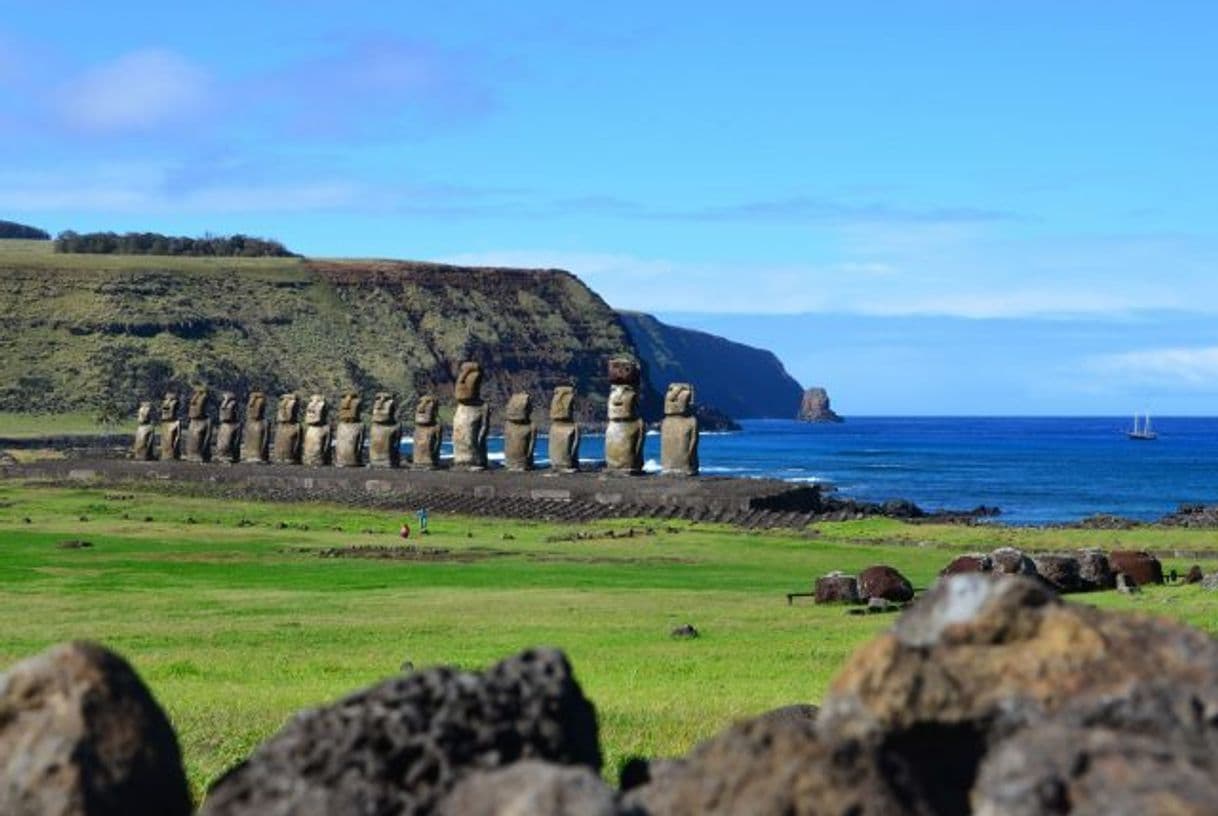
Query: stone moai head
x,y
144,413
289,409
624,371
425,412
385,409
351,407
679,399
469,383
228,407
169,407
317,412
623,402
199,398
255,407
562,405
520,408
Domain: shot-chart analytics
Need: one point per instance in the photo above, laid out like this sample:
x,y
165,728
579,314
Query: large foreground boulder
x,y
401,746
531,788
80,735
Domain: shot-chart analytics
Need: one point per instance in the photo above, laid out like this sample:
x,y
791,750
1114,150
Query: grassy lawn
x,y
234,627
15,425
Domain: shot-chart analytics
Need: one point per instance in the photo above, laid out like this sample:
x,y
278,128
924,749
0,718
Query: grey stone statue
x,y
256,438
564,433
385,439
471,422
145,432
171,428
349,436
317,433
289,438
679,432
519,433
197,445
228,434
428,434
626,432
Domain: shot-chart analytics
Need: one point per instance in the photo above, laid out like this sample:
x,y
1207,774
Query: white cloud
x,y
139,91
1180,366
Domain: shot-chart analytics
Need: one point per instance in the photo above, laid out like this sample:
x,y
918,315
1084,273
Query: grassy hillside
x,y
82,331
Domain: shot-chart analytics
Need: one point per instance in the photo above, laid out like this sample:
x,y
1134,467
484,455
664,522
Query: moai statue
x,y
317,432
288,436
145,431
256,439
626,432
197,447
385,441
428,434
349,438
471,422
171,428
679,432
564,433
228,435
519,433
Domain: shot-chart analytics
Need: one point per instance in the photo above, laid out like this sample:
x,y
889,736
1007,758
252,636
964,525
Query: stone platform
x,y
541,494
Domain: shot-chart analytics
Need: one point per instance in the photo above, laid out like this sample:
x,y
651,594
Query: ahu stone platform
x,y
541,494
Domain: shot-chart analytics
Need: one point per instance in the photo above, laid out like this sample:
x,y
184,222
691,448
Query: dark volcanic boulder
x,y
1010,561
531,788
837,587
1095,570
80,735
402,745
1194,575
1062,571
1142,567
884,582
972,562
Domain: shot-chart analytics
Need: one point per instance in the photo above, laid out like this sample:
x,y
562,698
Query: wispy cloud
x,y
139,91
1195,368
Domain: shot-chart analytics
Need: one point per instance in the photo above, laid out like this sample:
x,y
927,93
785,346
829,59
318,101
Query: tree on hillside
x,y
152,243
11,229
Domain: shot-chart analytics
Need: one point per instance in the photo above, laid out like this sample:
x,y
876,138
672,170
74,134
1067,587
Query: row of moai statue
x,y
317,443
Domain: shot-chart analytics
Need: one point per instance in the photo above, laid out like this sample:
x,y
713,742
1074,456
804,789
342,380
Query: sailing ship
x,y
1143,431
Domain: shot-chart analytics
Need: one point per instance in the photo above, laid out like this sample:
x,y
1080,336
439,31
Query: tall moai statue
x,y
519,433
256,438
317,432
145,432
679,432
228,434
197,446
564,433
428,434
289,438
349,437
471,422
626,431
171,428
385,440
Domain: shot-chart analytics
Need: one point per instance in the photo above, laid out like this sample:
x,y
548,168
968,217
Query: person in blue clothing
x,y
421,515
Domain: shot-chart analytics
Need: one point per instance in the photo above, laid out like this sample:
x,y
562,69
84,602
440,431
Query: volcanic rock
x,y
837,587
1010,561
884,582
815,407
1142,567
80,735
972,562
1194,575
1095,571
531,788
402,745
1062,571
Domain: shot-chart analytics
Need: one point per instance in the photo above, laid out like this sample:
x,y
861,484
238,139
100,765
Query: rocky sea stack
x,y
815,407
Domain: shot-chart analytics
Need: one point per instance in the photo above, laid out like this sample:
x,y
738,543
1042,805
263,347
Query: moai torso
x,y
349,436
519,433
197,447
428,434
626,432
145,432
679,432
288,435
316,449
385,439
563,439
171,428
256,437
471,422
228,433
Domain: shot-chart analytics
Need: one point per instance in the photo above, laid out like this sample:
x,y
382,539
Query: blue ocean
x,y
1037,470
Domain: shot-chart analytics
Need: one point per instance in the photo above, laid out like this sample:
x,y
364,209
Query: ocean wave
x,y
651,466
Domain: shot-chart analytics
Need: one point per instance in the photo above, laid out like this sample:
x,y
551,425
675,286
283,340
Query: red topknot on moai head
x,y
624,371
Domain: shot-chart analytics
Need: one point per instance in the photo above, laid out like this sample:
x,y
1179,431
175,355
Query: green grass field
x,y
234,628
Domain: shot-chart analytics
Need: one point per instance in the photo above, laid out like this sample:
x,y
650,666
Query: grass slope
x,y
234,630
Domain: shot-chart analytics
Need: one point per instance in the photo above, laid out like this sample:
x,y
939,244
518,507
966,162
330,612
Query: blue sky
x,y
928,207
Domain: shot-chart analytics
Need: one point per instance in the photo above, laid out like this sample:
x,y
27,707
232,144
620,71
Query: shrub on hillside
x,y
11,229
152,243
